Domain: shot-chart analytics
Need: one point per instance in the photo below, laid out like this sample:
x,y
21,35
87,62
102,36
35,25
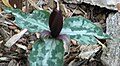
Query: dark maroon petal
x,y
55,22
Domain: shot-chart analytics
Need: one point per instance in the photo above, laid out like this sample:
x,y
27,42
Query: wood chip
x,y
12,27
4,34
4,58
15,38
12,63
29,46
21,46
1,42
17,30
37,35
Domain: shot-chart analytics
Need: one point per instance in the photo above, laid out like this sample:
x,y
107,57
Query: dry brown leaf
x,y
88,50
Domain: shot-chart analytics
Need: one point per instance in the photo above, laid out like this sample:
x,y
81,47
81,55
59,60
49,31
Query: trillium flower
x,y
55,22
47,48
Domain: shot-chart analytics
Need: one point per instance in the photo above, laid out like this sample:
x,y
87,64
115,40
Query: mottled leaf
x,y
66,40
83,30
47,52
35,22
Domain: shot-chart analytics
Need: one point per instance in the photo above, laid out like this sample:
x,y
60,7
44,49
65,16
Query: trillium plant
x,y
55,34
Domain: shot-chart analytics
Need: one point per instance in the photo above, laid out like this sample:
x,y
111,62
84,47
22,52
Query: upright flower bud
x,y
56,22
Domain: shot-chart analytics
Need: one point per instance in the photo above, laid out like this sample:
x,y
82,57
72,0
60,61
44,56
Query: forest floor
x,y
79,55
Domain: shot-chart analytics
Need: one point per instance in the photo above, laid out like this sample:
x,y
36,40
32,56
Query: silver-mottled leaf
x,y
35,22
83,30
47,52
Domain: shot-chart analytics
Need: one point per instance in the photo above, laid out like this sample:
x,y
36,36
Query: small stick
x,y
27,6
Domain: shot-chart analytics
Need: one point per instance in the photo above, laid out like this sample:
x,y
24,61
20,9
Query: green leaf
x,y
47,52
83,30
35,22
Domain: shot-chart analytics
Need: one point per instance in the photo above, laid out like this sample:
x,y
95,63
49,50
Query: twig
x,y
85,13
101,43
27,6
